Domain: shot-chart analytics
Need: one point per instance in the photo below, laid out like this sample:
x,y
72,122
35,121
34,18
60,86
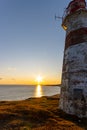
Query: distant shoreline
x,y
30,84
59,85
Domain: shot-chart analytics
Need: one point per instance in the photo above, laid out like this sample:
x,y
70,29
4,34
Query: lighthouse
x,y
73,97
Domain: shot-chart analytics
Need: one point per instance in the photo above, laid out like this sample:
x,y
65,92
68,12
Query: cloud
x,y
11,68
13,79
1,78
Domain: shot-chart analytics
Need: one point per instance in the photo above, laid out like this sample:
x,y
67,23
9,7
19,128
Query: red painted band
x,y
76,37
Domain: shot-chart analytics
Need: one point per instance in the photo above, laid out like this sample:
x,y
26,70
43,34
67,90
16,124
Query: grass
x,y
37,114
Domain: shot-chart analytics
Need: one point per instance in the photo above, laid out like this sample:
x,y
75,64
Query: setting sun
x,y
39,79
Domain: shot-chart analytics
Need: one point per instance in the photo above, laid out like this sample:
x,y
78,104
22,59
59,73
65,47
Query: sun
x,y
39,79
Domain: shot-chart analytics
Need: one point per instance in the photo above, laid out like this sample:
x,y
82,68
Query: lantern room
x,y
75,5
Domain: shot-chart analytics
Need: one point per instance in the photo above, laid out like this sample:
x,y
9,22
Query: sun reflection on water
x,y
38,91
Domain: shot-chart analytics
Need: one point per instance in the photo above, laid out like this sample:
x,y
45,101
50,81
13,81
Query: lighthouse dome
x,y
75,5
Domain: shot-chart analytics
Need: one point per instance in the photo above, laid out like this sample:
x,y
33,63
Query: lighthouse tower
x,y
73,98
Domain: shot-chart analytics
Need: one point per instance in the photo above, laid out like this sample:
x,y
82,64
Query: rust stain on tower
x,y
73,98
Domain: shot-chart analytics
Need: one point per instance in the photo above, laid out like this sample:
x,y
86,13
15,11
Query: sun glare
x,y
39,79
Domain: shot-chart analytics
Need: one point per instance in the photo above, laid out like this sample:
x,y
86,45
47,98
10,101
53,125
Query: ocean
x,y
21,92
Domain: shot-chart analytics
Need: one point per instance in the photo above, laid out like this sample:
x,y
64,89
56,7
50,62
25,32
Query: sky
x,y
31,41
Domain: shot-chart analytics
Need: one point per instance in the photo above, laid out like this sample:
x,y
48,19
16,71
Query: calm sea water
x,y
21,92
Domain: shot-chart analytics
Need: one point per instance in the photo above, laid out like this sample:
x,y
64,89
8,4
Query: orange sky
x,y
45,80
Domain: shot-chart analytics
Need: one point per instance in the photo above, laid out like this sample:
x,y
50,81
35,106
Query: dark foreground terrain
x,y
37,114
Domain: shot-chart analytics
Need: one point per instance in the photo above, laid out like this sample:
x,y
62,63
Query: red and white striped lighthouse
x,y
73,99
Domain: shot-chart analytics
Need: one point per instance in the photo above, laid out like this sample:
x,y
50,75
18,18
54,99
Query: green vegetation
x,y
37,114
